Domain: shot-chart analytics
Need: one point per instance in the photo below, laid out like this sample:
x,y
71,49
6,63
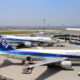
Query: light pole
x,y
44,21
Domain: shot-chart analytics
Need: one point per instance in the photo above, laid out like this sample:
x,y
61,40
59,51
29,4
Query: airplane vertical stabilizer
x,y
4,45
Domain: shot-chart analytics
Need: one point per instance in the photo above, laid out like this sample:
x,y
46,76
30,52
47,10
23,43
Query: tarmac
x,y
12,68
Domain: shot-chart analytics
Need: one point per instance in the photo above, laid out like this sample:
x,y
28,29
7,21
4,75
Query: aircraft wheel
x,y
45,44
27,70
23,62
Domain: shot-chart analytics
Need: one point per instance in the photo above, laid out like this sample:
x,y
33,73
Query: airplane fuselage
x,y
43,53
24,39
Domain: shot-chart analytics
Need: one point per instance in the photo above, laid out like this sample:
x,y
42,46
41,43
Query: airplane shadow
x,y
76,64
8,63
49,72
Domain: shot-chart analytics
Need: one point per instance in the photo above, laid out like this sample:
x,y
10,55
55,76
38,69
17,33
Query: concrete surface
x,y
66,46
12,68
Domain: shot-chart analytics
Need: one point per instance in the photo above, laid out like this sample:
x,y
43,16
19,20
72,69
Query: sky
x,y
33,12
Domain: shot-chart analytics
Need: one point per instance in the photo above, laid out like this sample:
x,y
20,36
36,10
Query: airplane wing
x,y
47,61
4,54
1,53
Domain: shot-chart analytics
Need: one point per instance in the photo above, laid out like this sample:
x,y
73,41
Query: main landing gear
x,y
27,69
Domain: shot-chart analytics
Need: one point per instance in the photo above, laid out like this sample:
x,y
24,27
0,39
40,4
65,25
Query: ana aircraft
x,y
40,33
62,58
29,41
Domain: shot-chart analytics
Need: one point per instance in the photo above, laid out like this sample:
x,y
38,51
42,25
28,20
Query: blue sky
x,y
32,12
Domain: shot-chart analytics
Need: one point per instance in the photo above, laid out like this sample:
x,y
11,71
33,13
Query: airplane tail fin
x,y
4,45
38,31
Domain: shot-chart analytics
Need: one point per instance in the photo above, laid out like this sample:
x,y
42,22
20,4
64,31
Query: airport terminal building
x,y
70,34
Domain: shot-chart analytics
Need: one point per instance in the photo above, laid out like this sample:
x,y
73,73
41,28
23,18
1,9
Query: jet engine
x,y
28,44
66,64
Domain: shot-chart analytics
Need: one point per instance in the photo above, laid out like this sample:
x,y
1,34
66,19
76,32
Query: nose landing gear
x,y
27,70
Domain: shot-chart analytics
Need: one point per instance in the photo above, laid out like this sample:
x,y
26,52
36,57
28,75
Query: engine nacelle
x,y
66,64
28,44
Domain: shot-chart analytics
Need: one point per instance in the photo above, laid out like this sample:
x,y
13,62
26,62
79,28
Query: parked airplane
x,y
62,58
29,41
40,33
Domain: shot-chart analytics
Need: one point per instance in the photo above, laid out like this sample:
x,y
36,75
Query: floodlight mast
x,y
44,21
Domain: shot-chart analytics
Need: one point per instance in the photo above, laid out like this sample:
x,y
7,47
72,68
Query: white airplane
x,y
40,33
62,58
29,41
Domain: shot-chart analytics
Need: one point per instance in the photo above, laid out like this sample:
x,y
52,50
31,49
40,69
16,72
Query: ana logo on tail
x,y
3,42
